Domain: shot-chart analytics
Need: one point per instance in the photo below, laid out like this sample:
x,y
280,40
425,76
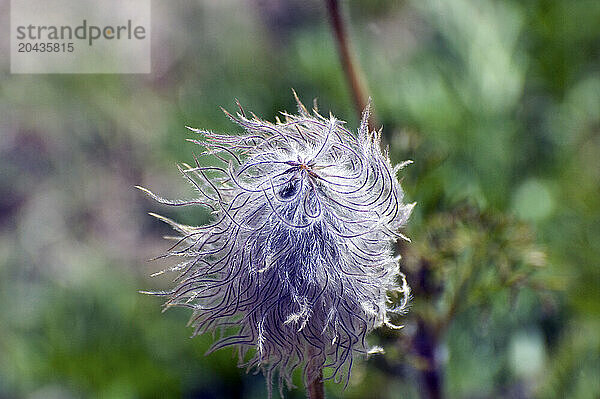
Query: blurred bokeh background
x,y
498,104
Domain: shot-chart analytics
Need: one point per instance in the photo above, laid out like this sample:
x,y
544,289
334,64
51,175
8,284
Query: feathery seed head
x,y
299,253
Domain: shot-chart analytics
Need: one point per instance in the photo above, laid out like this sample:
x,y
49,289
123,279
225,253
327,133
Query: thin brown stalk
x,y
351,70
315,389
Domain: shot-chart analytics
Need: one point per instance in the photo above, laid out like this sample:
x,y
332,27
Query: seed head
x,y
297,265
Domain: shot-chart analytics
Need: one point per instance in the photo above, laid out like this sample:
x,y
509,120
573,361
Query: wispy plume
x,y
297,265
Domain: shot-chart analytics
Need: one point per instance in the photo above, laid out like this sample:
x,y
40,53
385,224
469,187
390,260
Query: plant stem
x,y
351,71
425,344
315,389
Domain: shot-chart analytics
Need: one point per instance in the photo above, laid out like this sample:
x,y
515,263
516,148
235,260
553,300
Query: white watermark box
x,y
80,36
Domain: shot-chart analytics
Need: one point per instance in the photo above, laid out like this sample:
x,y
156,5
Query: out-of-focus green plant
x,y
463,261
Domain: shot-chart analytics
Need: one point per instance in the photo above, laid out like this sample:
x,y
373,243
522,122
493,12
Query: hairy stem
x,y
350,69
315,389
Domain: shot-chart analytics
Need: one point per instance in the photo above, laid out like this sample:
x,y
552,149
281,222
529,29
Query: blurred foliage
x,y
471,268
464,259
498,104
